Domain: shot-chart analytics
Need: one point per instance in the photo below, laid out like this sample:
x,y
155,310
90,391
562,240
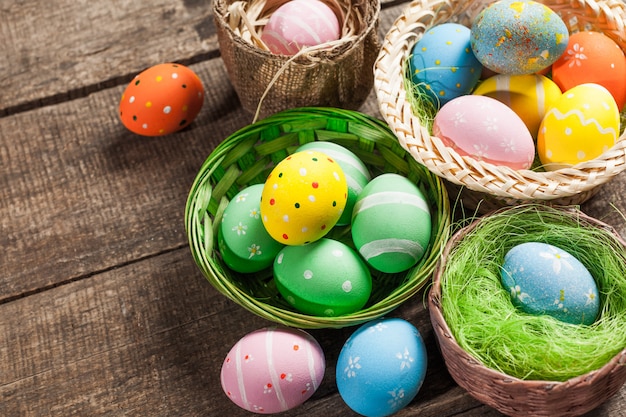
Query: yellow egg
x,y
529,96
583,124
303,197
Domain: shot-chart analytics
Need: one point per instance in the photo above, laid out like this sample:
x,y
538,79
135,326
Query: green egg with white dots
x,y
442,63
356,172
391,223
325,278
243,242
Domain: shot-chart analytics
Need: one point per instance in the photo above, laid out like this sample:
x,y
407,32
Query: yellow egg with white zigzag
x,y
583,124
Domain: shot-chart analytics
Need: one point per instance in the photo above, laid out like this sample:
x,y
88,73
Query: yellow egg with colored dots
x,y
303,197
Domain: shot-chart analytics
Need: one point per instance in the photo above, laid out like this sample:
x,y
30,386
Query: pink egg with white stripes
x,y
298,24
273,369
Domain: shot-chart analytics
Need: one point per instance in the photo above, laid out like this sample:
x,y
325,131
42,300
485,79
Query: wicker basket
x,y
476,182
510,395
247,156
265,83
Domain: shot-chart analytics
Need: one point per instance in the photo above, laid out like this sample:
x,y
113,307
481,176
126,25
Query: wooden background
x,y
102,310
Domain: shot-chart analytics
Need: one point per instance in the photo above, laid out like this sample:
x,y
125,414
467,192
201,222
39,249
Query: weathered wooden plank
x,y
70,48
149,339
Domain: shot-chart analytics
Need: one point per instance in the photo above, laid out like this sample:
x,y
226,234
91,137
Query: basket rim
x,y
445,162
449,346
211,269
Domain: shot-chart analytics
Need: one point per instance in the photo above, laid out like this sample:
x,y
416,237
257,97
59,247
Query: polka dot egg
x,y
381,367
324,278
543,279
303,197
442,63
161,100
583,123
391,223
356,172
272,370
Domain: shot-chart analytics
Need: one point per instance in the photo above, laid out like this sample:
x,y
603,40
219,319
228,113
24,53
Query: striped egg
x,y
272,370
529,96
298,24
357,174
391,223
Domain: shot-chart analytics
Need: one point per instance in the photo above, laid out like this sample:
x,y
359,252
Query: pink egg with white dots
x,y
298,24
272,370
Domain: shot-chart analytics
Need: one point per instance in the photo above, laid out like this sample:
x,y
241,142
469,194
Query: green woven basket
x,y
247,157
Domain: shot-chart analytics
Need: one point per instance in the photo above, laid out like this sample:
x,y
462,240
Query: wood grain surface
x,y
102,309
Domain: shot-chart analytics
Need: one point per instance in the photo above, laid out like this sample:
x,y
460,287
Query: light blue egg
x,y
518,37
544,279
381,367
442,63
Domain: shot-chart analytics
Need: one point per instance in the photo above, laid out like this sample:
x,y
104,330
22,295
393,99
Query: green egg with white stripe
x,y
357,174
391,223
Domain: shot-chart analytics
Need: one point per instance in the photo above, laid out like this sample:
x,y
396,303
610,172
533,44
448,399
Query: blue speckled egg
x,y
544,279
442,63
381,367
356,172
518,37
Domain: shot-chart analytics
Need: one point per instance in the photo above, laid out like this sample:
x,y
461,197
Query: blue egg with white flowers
x,y
544,279
442,63
381,367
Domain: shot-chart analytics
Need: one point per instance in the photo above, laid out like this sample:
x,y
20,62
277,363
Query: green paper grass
x,y
485,323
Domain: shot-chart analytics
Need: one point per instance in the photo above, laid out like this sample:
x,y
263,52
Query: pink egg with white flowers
x,y
485,129
298,24
273,369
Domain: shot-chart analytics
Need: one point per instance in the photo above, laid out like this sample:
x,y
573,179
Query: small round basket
x,y
247,157
477,183
337,74
485,341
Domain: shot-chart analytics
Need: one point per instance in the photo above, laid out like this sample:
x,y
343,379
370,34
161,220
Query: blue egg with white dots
x,y
543,279
442,63
381,367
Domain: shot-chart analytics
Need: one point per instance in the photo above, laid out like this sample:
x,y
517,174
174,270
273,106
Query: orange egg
x,y
161,100
592,57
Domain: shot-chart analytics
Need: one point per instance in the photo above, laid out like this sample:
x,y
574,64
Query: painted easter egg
x,y
592,57
381,367
298,24
544,279
485,129
303,197
324,278
163,99
391,223
442,63
582,125
356,172
529,96
273,369
244,243
518,37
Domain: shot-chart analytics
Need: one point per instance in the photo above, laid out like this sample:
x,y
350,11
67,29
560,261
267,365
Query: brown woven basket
x,y
339,76
480,184
510,395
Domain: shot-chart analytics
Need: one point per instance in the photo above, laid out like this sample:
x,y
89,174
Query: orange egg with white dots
x,y
161,100
303,197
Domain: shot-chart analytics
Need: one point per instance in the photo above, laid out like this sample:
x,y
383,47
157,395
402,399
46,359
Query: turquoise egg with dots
x,y
243,242
543,279
442,63
356,172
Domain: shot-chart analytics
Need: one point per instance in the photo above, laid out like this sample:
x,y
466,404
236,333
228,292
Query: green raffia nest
x,y
247,157
518,363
